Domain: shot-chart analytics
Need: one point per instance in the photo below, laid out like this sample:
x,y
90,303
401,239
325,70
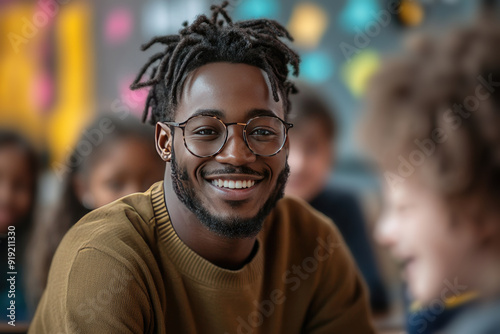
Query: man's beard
x,y
232,227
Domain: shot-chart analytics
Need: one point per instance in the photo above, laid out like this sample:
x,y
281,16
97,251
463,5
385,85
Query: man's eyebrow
x,y
220,114
260,112
208,112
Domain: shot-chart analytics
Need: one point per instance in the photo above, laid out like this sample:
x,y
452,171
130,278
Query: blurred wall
x,y
63,61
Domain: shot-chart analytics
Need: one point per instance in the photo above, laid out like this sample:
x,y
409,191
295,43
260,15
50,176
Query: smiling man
x,y
213,248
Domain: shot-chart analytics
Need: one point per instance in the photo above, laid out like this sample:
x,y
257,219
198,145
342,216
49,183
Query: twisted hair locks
x,y
215,39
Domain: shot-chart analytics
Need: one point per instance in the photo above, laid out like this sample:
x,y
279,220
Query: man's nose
x,y
236,151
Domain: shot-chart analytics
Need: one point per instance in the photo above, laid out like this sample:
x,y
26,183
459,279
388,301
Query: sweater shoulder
x,y
294,221
125,223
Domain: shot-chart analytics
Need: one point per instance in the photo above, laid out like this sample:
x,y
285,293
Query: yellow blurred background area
x,y
63,62
46,73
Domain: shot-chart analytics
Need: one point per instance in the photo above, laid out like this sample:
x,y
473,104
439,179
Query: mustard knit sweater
x,y
123,269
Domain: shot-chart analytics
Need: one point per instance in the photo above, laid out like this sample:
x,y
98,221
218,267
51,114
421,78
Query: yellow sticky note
x,y
358,71
308,24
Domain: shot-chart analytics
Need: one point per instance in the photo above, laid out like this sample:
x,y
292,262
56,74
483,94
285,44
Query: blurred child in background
x,y
122,160
312,154
18,181
433,127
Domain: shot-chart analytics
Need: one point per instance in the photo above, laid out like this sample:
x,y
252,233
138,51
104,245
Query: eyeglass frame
x,y
182,125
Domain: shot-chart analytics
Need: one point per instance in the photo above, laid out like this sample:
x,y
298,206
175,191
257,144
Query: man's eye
x,y
263,132
205,132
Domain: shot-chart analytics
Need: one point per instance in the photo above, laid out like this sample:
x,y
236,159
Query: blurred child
x,y
312,154
18,180
433,127
122,160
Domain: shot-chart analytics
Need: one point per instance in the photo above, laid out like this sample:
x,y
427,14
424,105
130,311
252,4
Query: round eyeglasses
x,y
205,136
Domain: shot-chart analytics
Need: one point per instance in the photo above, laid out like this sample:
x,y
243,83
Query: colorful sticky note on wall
x,y
316,67
119,25
357,72
358,13
133,99
43,91
155,20
74,86
160,17
411,13
254,9
308,24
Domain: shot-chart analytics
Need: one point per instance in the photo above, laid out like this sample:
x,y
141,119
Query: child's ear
x,y
163,141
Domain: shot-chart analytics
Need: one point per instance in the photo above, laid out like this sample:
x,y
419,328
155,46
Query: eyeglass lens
x,y
205,135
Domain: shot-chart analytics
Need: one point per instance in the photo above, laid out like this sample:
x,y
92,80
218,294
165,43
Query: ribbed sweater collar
x,y
193,265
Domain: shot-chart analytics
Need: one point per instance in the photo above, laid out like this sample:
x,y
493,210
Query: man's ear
x,y
163,141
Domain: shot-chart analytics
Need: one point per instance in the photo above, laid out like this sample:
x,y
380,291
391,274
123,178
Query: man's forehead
x,y
219,74
222,85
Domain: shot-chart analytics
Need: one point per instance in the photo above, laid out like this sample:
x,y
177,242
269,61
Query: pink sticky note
x,y
43,91
119,25
134,100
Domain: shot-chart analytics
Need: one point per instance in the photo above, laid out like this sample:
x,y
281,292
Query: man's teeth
x,y
232,184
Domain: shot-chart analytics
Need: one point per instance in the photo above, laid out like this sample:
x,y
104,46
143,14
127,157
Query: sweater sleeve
x,y
100,295
340,304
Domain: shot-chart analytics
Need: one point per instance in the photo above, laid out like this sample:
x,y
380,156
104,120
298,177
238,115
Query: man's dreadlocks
x,y
208,40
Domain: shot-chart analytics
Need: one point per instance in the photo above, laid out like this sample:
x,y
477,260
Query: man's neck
x,y
223,252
